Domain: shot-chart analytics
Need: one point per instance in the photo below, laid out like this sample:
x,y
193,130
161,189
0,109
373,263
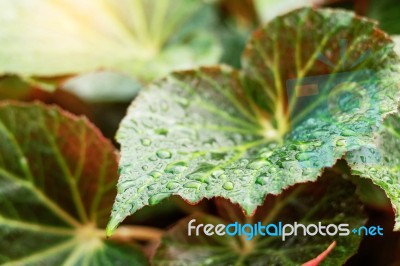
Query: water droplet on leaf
x,y
260,180
176,168
257,164
348,132
217,173
122,187
145,142
155,174
340,142
161,131
164,154
157,198
228,185
172,185
195,185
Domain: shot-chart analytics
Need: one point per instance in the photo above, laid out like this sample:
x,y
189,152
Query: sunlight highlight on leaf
x,y
143,38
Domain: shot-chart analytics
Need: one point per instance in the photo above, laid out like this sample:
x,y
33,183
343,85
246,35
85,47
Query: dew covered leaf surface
x,y
57,179
330,200
381,162
315,84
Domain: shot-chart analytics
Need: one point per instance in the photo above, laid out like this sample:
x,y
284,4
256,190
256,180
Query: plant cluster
x,y
305,128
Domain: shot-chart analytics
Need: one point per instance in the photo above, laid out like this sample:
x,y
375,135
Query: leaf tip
x,y
112,226
109,232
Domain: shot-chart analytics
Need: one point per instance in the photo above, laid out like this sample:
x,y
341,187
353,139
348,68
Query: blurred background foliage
x,y
92,57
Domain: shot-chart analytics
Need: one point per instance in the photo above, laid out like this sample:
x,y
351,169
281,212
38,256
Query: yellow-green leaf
x,y
143,38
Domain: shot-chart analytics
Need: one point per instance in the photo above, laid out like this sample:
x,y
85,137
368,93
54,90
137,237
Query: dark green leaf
x,y
387,12
330,200
57,179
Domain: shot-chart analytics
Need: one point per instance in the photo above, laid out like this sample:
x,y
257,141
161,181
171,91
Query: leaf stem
x,y
125,233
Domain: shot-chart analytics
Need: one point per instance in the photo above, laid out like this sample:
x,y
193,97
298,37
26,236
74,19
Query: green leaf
x,y
53,38
387,12
233,39
381,162
244,134
57,176
330,200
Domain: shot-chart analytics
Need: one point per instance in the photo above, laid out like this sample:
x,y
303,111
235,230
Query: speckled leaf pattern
x,y
57,179
314,85
382,165
329,200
